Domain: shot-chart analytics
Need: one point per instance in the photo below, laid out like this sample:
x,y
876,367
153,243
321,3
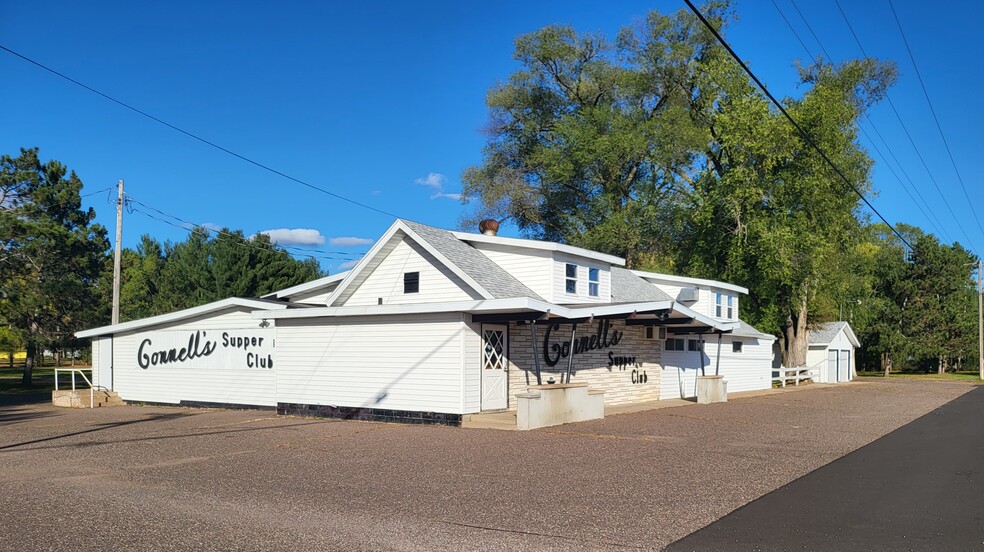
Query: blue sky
x,y
384,103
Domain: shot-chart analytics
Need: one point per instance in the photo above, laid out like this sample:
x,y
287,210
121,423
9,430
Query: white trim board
x,y
255,304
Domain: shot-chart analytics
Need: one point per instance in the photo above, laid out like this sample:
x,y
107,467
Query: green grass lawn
x,y
43,379
949,376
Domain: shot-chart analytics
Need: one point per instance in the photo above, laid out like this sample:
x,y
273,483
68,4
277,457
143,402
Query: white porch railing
x,y
80,371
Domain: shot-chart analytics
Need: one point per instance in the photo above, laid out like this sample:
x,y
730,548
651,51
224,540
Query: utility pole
x,y
117,254
980,322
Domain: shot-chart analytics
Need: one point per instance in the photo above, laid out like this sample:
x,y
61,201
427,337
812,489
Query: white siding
x,y
749,370
817,355
472,344
706,299
95,360
530,266
400,362
180,382
314,297
437,283
560,295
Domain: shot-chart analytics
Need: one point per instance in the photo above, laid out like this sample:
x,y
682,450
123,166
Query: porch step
x,y
80,398
502,419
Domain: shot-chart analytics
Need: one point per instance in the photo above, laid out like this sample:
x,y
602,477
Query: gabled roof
x,y
686,280
626,286
542,245
826,333
306,287
485,277
249,303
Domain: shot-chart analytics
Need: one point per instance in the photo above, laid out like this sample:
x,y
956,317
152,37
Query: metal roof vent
x,y
489,227
688,295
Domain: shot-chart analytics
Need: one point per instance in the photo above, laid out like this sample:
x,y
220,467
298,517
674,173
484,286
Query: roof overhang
x,y
685,281
519,243
208,308
313,285
654,313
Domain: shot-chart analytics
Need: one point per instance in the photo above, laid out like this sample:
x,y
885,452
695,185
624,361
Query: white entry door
x,y
105,368
844,366
494,374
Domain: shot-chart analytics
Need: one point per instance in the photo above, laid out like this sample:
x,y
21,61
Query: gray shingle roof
x,y
629,288
473,262
747,330
825,333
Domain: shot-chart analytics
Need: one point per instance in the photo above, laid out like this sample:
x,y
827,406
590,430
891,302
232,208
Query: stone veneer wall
x,y
589,367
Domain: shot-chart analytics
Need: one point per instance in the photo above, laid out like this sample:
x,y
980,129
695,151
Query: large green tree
x,y
159,278
769,212
591,142
51,253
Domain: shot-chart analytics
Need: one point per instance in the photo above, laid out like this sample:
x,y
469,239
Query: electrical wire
x,y
185,224
908,135
195,136
936,119
805,135
930,216
305,250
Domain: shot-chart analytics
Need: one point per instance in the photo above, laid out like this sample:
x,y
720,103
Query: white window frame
x,y
718,304
737,347
568,279
594,284
731,299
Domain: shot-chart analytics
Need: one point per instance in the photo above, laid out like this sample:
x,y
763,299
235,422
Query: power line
x,y
184,224
801,130
195,136
931,217
907,134
939,127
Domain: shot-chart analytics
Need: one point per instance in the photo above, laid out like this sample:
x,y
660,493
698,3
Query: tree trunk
x,y
795,338
10,358
32,349
887,361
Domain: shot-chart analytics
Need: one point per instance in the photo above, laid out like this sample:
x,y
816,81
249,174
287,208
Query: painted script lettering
x,y
195,349
604,338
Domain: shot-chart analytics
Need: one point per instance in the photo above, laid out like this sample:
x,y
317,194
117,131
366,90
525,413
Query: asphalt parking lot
x,y
168,478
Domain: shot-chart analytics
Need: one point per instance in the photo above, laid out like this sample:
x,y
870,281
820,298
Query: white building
x,y
432,325
831,352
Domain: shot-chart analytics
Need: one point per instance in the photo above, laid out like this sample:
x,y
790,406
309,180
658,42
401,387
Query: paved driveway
x,y
179,478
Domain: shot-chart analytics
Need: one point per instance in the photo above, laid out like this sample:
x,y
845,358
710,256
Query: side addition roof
x,y
826,333
628,287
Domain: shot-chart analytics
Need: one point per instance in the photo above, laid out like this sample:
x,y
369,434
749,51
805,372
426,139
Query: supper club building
x,y
432,325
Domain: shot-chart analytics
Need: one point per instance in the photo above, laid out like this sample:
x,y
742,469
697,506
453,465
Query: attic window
x,y
570,284
411,282
593,282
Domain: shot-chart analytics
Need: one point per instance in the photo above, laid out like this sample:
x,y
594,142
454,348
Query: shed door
x,y
494,374
832,365
844,366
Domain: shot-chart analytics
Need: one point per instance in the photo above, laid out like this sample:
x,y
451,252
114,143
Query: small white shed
x,y
831,354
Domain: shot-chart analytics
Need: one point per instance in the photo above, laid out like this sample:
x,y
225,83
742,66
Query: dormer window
x,y
593,282
411,282
570,280
724,306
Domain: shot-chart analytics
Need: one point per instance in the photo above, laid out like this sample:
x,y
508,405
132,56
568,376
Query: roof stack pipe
x,y
489,227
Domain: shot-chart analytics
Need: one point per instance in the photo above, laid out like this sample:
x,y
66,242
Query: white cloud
x,y
295,236
348,241
436,181
438,195
433,180
347,265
